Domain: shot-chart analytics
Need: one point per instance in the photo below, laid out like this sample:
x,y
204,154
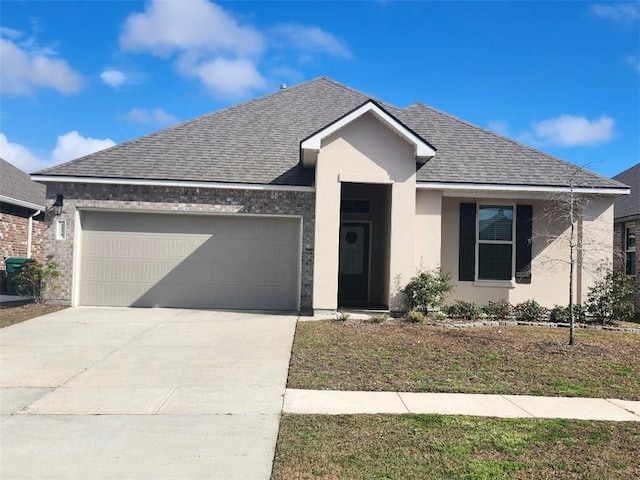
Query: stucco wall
x,y
365,151
550,251
428,229
176,199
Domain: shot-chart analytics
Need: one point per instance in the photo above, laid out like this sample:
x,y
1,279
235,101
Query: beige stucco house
x,y
318,197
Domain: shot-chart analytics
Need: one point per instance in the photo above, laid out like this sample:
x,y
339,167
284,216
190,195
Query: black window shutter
x,y
524,232
467,245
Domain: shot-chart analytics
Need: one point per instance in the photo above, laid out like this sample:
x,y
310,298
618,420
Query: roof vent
x,y
283,86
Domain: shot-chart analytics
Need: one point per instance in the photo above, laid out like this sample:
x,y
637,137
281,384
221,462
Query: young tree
x,y
582,250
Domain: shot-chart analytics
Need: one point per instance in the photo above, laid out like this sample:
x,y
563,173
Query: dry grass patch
x,y
12,314
441,447
332,355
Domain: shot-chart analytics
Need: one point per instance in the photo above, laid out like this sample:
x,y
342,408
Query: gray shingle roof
x,y
259,142
627,206
17,185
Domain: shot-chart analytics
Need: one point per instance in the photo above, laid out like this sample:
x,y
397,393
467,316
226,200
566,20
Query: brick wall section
x,y
619,255
15,231
176,199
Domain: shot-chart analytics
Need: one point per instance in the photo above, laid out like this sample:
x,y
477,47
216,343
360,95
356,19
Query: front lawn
x,y
332,355
449,447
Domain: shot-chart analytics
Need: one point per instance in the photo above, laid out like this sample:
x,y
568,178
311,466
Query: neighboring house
x,y
627,222
22,205
313,198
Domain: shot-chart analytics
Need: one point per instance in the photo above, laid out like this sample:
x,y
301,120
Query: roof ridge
x,y
511,140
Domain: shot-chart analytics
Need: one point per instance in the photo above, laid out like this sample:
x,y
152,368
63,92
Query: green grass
x,y
453,447
497,360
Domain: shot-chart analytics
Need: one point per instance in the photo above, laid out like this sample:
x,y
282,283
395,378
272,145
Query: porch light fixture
x,y
57,205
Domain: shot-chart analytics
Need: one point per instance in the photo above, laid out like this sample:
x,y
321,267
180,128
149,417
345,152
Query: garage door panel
x,y
189,261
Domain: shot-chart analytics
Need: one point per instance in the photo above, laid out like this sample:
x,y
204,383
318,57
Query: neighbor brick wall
x,y
619,256
15,231
178,199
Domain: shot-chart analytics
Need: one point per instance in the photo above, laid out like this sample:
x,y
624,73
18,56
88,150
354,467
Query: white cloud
x,y
168,27
20,156
312,39
206,41
23,70
69,146
157,116
230,78
113,78
72,145
571,131
619,12
634,63
209,43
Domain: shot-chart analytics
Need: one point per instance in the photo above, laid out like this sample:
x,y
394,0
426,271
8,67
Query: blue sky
x,y
561,76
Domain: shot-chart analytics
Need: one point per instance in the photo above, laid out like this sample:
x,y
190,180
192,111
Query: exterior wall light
x,y
57,205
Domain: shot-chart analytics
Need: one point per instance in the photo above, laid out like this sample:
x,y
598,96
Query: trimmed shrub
x,y
499,310
427,290
36,279
611,297
463,310
560,314
379,318
529,311
416,316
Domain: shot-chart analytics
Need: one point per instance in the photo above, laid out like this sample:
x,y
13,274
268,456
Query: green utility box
x,y
13,266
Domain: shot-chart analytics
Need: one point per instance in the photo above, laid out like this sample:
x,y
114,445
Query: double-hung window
x,y
630,249
495,242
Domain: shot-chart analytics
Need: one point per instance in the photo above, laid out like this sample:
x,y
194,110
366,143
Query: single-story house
x,y
318,197
22,205
627,221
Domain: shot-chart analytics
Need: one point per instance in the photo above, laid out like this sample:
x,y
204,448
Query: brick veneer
x,y
176,199
15,232
619,257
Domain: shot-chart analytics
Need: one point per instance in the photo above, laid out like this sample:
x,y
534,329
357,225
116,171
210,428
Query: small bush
x,y
611,297
439,316
463,310
499,310
529,311
416,316
427,290
342,316
36,279
559,314
379,318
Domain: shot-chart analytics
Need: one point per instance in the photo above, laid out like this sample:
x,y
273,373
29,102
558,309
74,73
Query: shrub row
x,y
611,298
529,311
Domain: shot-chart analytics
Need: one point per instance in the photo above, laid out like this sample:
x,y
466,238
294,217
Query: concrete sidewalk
x,y
331,402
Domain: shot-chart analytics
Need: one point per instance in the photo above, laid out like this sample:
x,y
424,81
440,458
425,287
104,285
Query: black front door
x,y
353,276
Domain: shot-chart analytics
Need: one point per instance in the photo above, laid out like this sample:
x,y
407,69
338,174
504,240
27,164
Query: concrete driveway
x,y
119,393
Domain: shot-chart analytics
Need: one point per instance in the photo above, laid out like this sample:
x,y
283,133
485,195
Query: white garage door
x,y
191,261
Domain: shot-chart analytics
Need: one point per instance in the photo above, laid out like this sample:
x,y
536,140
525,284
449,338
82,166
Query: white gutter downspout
x,y
29,232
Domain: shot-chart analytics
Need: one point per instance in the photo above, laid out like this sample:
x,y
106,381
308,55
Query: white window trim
x,y
61,229
493,282
627,249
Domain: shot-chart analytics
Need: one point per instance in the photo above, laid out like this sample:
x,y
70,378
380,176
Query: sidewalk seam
x,y
518,406
405,405
621,407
